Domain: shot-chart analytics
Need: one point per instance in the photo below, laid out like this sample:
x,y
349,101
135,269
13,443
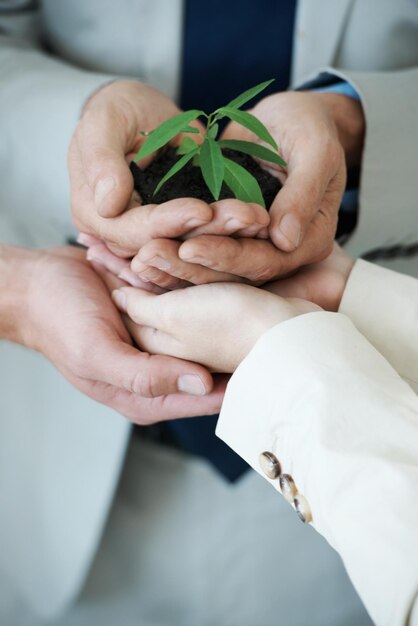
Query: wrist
x,y
122,92
274,310
93,95
346,264
348,116
16,269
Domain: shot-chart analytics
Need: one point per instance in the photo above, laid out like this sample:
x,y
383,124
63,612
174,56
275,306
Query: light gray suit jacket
x,y
60,453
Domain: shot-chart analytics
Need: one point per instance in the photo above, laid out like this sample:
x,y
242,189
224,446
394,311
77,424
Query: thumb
x,y
295,206
103,144
118,364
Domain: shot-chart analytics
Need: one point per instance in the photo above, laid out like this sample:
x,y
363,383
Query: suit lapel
x,y
318,30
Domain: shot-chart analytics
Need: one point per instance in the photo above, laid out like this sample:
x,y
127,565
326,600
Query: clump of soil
x,y
189,183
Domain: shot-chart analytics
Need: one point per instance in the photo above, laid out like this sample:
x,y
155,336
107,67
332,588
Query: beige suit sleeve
x,y
344,425
388,205
40,102
384,307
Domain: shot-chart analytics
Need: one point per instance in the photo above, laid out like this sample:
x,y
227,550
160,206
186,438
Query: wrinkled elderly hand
x,y
216,325
104,142
67,314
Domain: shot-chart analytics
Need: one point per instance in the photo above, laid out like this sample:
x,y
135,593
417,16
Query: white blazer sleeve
x,y
340,420
384,307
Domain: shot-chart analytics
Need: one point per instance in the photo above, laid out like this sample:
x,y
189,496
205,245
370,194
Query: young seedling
x,y
215,166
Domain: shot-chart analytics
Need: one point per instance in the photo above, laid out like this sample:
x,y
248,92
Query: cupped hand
x,y
322,283
74,323
158,261
317,134
215,325
105,140
314,179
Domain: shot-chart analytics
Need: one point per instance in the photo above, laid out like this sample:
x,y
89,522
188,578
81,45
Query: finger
x,y
145,375
103,138
133,229
233,216
257,260
151,340
164,255
145,411
303,193
101,255
253,259
153,275
88,240
113,282
142,307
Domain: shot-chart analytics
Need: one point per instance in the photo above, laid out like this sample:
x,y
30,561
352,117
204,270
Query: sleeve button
x,y
303,509
288,488
270,465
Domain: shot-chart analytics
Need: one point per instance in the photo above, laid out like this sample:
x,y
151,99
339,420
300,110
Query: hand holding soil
x,y
103,144
226,239
317,134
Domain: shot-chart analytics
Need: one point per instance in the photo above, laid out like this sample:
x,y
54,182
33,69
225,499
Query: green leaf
x,y
190,129
213,131
242,184
176,168
249,121
165,132
212,166
186,145
254,149
237,102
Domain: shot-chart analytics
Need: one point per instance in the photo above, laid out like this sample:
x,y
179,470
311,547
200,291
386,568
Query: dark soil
x,y
189,183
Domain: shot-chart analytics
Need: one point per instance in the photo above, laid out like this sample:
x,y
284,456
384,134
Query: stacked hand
x,y
215,325
218,324
68,315
188,242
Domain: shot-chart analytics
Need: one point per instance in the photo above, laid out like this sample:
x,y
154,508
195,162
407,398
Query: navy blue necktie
x,y
228,47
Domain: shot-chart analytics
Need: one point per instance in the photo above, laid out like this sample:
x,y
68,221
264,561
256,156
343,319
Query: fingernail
x,y
189,383
195,222
84,240
92,256
160,263
130,277
120,299
290,228
103,187
198,260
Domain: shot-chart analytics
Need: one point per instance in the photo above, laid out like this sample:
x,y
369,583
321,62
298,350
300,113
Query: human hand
x,y
317,134
158,262
200,323
106,139
322,283
70,318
